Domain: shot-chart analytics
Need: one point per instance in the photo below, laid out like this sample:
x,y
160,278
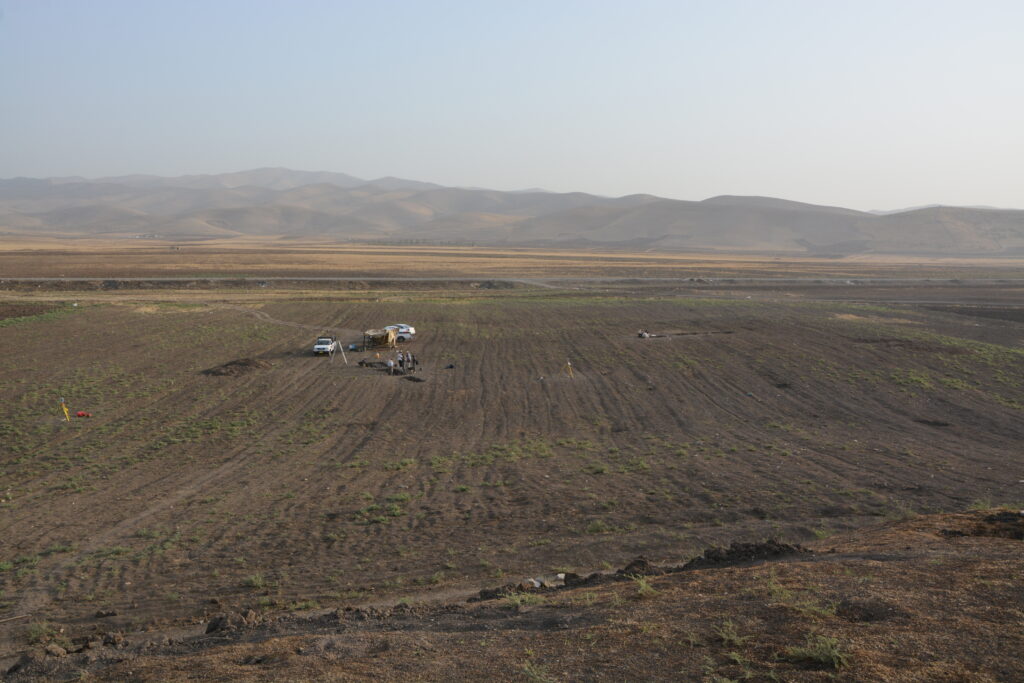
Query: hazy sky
x,y
871,105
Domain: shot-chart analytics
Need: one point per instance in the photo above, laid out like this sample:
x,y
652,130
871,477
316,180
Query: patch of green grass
x,y
57,548
255,581
441,463
38,317
599,526
509,452
39,632
954,383
26,560
820,650
644,589
517,600
728,635
400,465
912,378
537,673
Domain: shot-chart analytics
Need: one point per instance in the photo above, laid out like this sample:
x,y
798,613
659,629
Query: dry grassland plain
x,y
264,257
297,483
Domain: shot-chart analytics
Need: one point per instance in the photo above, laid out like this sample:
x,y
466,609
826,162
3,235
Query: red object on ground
x,y
82,413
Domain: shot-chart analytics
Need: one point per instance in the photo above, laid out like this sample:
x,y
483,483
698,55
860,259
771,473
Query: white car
x,y
326,345
403,332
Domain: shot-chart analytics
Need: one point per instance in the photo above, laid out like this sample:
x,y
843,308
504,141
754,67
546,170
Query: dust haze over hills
x,y
336,206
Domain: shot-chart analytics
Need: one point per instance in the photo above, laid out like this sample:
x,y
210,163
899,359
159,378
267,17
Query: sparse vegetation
x,y
820,650
255,581
517,600
657,448
728,635
644,589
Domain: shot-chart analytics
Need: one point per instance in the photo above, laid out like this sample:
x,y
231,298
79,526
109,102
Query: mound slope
x,y
884,603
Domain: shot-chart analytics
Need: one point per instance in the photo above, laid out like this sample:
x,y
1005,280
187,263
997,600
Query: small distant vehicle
x,y
325,346
403,333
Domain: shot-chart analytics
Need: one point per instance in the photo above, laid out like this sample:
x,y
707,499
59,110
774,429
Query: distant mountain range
x,y
335,206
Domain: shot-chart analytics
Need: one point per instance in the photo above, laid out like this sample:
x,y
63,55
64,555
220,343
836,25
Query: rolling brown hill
x,y
274,201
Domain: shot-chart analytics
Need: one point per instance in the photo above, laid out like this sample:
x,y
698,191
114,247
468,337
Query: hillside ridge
x,y
337,206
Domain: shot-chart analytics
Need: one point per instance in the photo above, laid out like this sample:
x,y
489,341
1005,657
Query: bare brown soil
x,y
296,483
923,599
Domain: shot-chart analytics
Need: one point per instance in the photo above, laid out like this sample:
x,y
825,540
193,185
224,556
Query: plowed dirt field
x,y
301,482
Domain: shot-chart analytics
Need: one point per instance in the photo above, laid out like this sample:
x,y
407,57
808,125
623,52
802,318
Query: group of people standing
x,y
405,363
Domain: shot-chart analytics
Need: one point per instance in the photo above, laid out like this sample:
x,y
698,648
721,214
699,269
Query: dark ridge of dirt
x,y
1006,524
414,378
1002,524
234,368
931,423
744,552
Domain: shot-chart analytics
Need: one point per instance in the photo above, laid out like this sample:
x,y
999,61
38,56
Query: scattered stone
x,y
114,639
221,622
55,650
232,621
